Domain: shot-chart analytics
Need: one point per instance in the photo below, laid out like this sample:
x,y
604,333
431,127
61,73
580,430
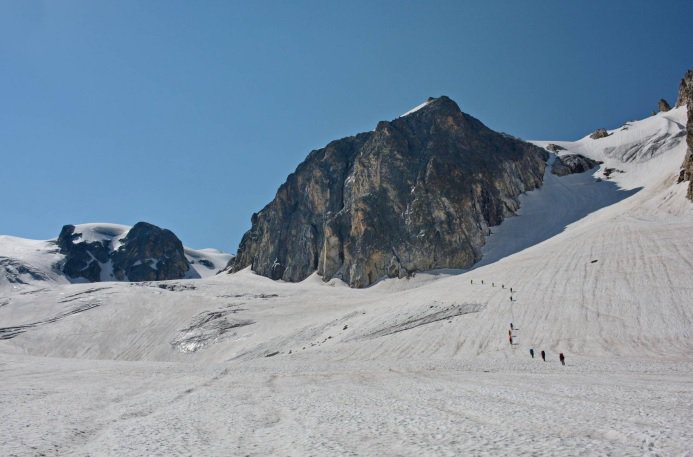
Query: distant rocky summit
x,y
686,98
418,193
144,253
572,163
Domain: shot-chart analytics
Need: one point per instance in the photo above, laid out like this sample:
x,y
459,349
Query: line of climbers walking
x,y
561,357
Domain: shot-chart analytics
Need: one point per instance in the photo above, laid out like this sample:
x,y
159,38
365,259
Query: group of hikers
x,y
561,357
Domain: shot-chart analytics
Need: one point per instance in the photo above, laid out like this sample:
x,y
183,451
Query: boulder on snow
x,y
599,133
572,163
554,147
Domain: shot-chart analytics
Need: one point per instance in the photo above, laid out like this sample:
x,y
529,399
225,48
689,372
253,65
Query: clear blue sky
x,y
190,114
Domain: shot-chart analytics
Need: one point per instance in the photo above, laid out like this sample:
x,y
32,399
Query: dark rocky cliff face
x,y
147,253
418,193
82,259
686,98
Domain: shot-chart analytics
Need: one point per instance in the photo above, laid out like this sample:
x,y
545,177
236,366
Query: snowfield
x,y
302,406
597,267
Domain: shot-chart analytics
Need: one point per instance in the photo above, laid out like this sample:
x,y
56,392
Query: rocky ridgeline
x,y
418,193
146,253
685,97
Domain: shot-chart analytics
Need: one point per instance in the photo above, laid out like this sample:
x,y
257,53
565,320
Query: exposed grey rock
x,y
609,171
663,105
572,163
147,253
554,147
685,88
82,259
599,133
208,328
206,263
405,323
418,193
686,98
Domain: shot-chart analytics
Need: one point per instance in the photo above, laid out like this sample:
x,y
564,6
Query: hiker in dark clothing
x,y
531,352
510,333
510,338
562,358
511,326
543,356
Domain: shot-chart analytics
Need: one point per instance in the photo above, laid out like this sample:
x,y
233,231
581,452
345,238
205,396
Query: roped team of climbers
x,y
561,357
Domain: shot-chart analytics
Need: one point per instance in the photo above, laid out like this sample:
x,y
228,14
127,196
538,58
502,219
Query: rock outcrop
x,y
685,88
599,133
663,105
149,253
572,163
83,259
554,147
146,253
418,193
686,98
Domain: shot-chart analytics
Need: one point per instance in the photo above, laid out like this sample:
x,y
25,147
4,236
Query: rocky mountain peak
x,y
442,104
417,193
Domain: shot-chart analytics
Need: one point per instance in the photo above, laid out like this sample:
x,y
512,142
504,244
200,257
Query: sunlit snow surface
x,y
416,108
242,365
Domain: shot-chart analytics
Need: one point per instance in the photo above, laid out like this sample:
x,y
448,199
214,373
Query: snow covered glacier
x,y
596,265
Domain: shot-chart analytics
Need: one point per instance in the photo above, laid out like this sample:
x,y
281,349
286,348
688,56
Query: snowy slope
x,y
25,261
600,269
644,153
